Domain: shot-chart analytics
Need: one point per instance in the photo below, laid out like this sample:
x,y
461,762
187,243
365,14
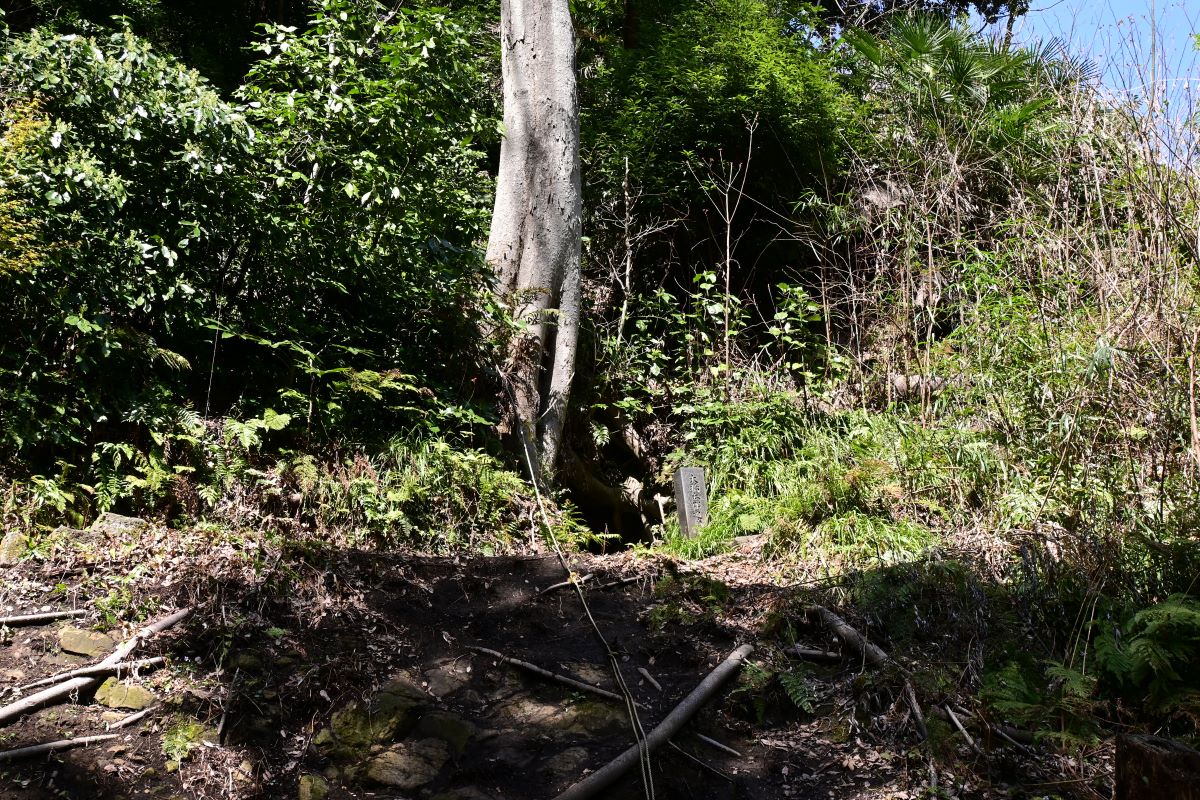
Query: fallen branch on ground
x,y
73,686
871,655
604,777
958,724
722,747
545,673
565,583
51,747
97,669
132,718
1015,736
645,673
37,619
810,654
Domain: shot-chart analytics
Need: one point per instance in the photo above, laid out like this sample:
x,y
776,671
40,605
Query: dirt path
x,y
346,674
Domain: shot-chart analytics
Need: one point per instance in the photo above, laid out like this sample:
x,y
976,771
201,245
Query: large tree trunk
x,y
536,225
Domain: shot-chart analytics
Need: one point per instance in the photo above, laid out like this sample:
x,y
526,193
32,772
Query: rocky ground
x,y
310,671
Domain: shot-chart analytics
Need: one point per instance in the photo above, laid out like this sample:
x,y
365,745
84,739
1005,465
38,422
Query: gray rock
x,y
409,765
114,694
84,643
119,526
448,677
454,731
12,547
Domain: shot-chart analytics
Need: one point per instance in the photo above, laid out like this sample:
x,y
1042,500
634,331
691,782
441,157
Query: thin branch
x,y
96,669
649,678
714,743
38,619
545,673
51,747
601,779
132,718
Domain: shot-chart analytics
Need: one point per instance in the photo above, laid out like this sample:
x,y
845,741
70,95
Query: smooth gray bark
x,y
534,244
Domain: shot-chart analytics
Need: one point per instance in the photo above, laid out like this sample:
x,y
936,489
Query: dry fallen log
x,y
51,747
74,686
38,619
871,655
96,669
545,673
604,777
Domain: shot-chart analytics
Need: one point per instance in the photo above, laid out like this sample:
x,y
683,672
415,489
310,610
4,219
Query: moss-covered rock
x,y
114,694
391,712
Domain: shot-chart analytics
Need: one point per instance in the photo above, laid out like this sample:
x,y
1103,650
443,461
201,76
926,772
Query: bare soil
x,y
285,638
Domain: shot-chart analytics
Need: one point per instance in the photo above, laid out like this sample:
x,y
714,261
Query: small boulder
x,y
312,787
12,547
409,765
84,643
354,728
455,731
114,694
448,677
117,526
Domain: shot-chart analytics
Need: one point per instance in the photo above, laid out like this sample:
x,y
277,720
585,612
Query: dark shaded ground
x,y
279,648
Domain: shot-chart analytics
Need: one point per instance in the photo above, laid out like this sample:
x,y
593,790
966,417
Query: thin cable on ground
x,y
639,733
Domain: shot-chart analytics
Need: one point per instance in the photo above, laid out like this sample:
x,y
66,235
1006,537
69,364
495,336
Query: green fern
x,y
795,686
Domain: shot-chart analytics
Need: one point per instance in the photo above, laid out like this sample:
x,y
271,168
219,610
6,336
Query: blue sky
x,y
1119,37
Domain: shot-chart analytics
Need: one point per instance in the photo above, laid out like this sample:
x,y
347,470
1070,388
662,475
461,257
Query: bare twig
x,y
645,673
722,747
954,719
563,584
132,718
74,686
604,777
51,747
38,619
545,673
698,762
97,669
810,654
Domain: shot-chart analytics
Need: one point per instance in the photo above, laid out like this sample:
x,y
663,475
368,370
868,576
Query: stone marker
x,y
691,500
